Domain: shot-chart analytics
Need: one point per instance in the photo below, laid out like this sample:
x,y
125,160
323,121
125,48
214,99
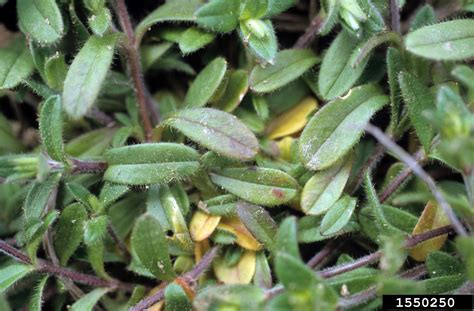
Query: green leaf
x,y
176,299
293,273
253,8
206,83
276,7
219,15
38,197
451,40
87,302
338,215
69,231
95,231
245,297
395,65
337,127
172,10
36,300
419,99
325,187
34,237
259,222
87,73
465,246
51,128
11,274
424,16
260,37
150,163
465,75
16,63
150,245
41,19
287,237
237,87
55,71
443,264
100,21
308,229
216,130
111,193
263,273
261,186
336,75
83,196
287,66
194,39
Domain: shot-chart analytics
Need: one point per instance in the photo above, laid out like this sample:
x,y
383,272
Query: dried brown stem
x,y
83,167
323,253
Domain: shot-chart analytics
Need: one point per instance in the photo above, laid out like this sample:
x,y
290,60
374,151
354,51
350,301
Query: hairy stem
x,y
119,242
48,267
307,37
83,167
420,172
323,253
188,277
420,158
395,16
145,107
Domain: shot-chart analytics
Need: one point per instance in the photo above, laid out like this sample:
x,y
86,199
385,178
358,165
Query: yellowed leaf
x,y
203,225
200,248
433,217
241,273
284,146
293,120
244,237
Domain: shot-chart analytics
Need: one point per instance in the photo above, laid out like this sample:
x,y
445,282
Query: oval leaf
x,y
287,66
325,187
41,19
16,63
219,15
259,222
51,128
338,215
69,231
87,302
433,217
241,273
262,186
203,225
336,75
217,130
150,245
86,74
150,163
11,274
335,128
206,83
452,40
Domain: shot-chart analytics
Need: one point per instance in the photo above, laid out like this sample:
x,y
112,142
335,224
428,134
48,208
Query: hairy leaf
x,y
217,130
287,66
51,128
261,186
206,83
335,128
41,19
87,73
451,40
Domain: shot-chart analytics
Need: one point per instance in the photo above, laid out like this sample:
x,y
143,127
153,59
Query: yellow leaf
x,y
433,217
293,120
244,237
241,273
200,248
285,147
203,225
